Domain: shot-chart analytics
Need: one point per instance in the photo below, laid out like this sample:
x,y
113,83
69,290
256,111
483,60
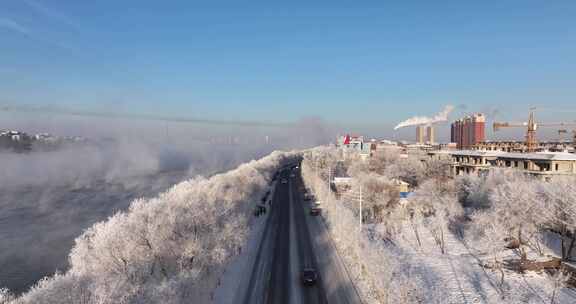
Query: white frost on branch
x,y
166,249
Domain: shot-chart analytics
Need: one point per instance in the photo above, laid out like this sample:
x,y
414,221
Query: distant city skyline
x,y
363,66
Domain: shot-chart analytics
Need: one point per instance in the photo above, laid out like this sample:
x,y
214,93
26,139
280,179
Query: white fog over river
x,y
47,199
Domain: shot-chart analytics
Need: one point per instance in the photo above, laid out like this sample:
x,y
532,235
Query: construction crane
x,y
531,126
561,133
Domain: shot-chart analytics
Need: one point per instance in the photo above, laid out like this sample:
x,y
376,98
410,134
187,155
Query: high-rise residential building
x,y
430,134
420,134
468,131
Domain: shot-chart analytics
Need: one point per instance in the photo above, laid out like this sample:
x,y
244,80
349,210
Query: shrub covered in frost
x,y
168,249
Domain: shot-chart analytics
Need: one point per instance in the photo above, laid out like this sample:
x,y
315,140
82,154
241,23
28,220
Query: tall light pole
x,y
329,172
357,196
315,158
360,226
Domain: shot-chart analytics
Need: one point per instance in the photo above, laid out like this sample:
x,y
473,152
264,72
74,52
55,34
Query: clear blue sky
x,y
366,62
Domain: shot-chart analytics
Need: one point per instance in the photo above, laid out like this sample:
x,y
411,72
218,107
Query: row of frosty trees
x,y
173,248
504,209
169,249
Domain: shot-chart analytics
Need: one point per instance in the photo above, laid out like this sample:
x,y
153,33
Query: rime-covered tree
x,y
6,297
170,248
559,212
410,170
515,203
490,232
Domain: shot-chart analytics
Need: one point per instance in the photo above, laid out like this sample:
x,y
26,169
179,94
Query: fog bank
x,y
48,198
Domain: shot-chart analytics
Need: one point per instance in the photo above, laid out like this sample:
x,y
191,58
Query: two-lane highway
x,y
278,290
290,242
306,254
270,279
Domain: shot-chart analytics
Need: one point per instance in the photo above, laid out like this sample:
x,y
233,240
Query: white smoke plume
x,y
423,120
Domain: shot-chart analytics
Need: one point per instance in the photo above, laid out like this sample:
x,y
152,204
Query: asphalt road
x,y
291,241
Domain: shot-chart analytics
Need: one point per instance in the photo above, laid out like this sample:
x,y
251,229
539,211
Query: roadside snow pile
x,y
169,249
465,240
236,274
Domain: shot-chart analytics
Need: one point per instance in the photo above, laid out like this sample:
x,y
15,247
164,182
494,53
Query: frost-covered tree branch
x,y
167,249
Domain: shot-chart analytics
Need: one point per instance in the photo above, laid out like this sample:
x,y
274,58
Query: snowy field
x,y
458,277
446,242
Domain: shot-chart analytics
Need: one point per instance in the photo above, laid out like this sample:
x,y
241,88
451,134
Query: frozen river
x,y
38,224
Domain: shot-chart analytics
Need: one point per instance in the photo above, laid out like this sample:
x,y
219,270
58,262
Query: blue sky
x,y
354,62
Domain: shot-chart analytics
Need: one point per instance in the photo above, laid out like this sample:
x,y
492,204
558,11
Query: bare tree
x,y
6,297
515,204
559,212
559,279
436,204
410,170
490,232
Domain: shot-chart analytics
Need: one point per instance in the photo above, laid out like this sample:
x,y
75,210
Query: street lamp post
x,y
357,196
360,226
329,172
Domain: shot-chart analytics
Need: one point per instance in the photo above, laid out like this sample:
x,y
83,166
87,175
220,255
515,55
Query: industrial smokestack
x,y
430,134
420,134
423,120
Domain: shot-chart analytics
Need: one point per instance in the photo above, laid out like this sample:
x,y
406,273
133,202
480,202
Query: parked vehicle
x,y
259,210
314,211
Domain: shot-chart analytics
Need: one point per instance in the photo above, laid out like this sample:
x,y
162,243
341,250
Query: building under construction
x,y
531,144
520,146
468,131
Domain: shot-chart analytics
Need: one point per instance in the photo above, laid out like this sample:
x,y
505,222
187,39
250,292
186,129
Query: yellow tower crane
x,y
561,133
531,126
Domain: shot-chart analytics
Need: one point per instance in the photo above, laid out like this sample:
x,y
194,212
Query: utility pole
x,y
315,164
360,227
316,177
329,171
357,197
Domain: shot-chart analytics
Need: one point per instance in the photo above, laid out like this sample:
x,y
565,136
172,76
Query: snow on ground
x,y
458,277
236,276
553,242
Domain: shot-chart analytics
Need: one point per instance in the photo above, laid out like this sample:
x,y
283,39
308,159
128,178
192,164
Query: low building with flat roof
x,y
520,146
539,164
469,161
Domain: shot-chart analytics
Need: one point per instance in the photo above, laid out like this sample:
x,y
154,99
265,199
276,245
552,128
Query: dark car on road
x,y
315,211
309,276
259,210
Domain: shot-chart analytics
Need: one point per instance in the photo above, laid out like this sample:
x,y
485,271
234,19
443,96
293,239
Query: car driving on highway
x,y
309,276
